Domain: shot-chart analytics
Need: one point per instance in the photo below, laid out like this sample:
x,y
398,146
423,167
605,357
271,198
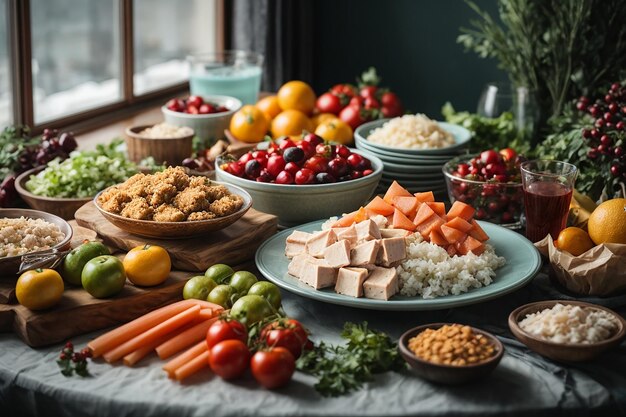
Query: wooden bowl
x,y
10,265
62,207
563,352
178,230
164,150
448,374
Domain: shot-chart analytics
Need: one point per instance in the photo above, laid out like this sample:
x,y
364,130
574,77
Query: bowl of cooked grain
x,y
33,233
450,353
172,204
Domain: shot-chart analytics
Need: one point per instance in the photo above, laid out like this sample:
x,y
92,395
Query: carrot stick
x,y
185,357
193,366
207,313
152,334
185,339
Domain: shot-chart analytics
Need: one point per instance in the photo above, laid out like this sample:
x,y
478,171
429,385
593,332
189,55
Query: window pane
x,y
76,56
165,32
6,109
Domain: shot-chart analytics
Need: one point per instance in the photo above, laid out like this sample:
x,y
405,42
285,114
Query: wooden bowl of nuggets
x,y
172,204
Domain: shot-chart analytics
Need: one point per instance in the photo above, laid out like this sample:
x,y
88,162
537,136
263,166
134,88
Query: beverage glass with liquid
x,y
548,188
228,73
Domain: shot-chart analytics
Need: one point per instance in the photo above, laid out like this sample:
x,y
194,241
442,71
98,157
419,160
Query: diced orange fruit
x,y
460,224
462,210
477,232
452,235
361,215
428,196
394,190
346,220
423,214
407,205
437,238
434,222
400,221
438,208
380,206
470,245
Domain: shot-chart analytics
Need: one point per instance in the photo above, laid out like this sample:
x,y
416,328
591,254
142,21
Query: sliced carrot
x,y
193,366
460,224
361,215
185,357
346,220
424,213
380,206
407,205
152,334
426,197
438,208
437,238
434,222
400,221
471,245
452,235
137,355
185,339
395,189
459,209
477,232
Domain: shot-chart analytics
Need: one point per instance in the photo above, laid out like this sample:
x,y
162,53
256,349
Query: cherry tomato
x,y
343,151
236,168
226,329
286,333
356,101
285,177
489,157
392,102
195,101
176,104
229,358
344,89
369,91
246,157
508,154
371,103
352,116
338,167
191,109
273,368
206,109
304,176
313,139
329,103
292,168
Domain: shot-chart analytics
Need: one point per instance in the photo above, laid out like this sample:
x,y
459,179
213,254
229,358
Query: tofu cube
x,y
297,263
294,248
347,233
380,220
298,236
367,230
319,241
350,281
364,254
317,275
338,254
387,233
391,250
381,284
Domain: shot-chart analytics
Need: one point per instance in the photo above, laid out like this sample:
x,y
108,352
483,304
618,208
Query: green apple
x,y
103,276
72,266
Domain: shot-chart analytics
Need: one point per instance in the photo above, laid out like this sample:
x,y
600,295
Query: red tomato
x,y
226,330
229,358
344,89
391,105
206,109
329,103
356,101
176,104
371,103
289,334
352,116
508,154
192,109
369,91
273,368
195,101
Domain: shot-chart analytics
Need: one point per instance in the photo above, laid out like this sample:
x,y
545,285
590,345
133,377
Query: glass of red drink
x,y
548,187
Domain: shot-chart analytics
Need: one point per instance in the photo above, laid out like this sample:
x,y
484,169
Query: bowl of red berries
x,y
303,180
490,182
208,116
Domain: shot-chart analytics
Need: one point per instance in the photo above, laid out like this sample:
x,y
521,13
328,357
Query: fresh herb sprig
x,y
343,369
72,362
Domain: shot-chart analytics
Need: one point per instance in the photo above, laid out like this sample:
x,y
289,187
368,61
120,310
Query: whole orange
x,y
147,265
290,123
297,95
249,124
607,223
269,106
320,118
335,130
574,240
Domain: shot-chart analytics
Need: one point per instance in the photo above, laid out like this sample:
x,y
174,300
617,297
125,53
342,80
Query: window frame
x,y
20,52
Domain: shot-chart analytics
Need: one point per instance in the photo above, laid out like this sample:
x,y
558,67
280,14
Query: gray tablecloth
x,y
524,384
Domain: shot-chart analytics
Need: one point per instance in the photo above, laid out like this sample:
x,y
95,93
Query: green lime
x,y
72,266
251,309
198,287
242,281
220,273
267,290
222,295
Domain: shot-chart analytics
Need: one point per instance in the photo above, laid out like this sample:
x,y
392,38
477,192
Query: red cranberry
x,y
292,168
313,139
615,170
489,157
324,150
343,151
206,109
191,110
354,160
307,148
317,164
174,104
480,214
618,151
284,177
286,143
246,157
605,140
265,176
613,108
195,101
356,174
275,164
338,167
595,134
463,169
304,176
619,125
586,133
608,116
236,168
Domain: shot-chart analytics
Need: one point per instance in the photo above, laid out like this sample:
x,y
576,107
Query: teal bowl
x,y
297,204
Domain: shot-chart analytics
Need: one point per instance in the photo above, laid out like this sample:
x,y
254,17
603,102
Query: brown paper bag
x,y
599,271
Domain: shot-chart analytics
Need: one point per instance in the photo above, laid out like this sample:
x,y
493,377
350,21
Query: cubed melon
x,y
437,238
395,190
477,232
471,245
428,196
361,215
438,207
460,224
400,221
424,213
346,220
407,205
451,250
434,222
462,210
380,206
451,234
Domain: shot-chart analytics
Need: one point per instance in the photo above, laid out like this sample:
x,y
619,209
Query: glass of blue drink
x,y
227,73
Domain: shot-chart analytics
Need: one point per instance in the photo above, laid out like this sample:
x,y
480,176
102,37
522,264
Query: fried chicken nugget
x,y
190,200
114,199
168,213
201,215
162,193
175,176
226,205
138,209
217,192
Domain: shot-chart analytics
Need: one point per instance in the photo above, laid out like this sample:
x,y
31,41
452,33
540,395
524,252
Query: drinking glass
x,y
497,98
228,73
548,187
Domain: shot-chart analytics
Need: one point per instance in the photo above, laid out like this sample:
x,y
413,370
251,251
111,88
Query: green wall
x,y
413,45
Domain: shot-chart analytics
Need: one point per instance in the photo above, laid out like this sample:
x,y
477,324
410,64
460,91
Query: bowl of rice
x,y
29,232
567,331
166,143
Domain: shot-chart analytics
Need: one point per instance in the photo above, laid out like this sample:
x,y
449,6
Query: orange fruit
x,y
269,106
147,265
318,119
574,240
607,223
297,95
39,289
290,123
335,130
249,124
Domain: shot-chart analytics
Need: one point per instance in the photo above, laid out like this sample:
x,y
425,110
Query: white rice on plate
x,y
412,131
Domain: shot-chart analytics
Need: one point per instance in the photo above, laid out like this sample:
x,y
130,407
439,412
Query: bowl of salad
x,y
62,187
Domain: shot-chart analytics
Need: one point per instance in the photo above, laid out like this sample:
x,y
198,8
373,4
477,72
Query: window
x,y
164,33
6,110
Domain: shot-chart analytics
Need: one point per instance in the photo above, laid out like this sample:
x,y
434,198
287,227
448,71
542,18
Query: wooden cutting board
x,y
232,245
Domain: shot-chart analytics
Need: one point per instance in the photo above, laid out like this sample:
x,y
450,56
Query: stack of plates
x,y
417,170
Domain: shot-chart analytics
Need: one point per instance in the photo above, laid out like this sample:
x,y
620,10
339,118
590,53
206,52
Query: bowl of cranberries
x,y
208,116
303,180
490,182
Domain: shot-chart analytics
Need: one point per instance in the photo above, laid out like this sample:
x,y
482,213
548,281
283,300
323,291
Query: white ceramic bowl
x,y
297,204
208,127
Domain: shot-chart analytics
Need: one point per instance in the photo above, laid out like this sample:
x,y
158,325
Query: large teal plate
x,y
522,263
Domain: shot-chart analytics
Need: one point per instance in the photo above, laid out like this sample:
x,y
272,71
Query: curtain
x,y
281,30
